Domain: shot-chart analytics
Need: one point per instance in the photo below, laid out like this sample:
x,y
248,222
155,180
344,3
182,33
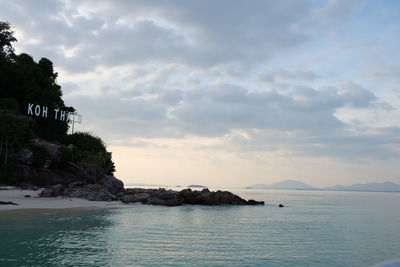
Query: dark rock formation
x,y
160,196
7,203
93,192
186,196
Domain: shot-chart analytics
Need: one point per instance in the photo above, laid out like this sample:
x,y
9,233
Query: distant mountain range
x,y
370,187
297,185
287,184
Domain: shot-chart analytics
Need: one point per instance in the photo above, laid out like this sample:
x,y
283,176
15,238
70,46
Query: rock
x,y
253,202
53,191
281,206
92,192
46,165
44,177
130,198
127,199
7,203
29,187
57,189
25,156
52,149
162,202
141,197
78,171
205,197
113,185
47,192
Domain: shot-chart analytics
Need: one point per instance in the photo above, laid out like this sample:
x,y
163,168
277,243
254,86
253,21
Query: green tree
x,y
90,151
26,81
15,131
6,38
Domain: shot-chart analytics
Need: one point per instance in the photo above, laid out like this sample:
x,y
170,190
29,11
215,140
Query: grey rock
x,y
141,197
130,198
162,202
253,202
113,185
52,149
127,199
47,192
25,156
7,203
53,191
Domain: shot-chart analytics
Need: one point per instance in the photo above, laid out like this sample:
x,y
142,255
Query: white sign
x,y
62,115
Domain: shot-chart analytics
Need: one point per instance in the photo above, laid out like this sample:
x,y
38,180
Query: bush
x,y
10,104
39,156
89,151
86,142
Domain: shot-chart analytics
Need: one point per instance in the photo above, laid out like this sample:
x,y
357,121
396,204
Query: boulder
x,y
47,192
253,202
53,191
127,198
141,197
7,203
52,149
169,202
113,185
92,192
25,156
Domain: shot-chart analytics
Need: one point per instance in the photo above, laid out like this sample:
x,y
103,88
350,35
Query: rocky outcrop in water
x,y
186,196
148,196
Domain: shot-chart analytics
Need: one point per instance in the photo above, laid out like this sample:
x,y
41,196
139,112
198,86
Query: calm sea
x,y
314,229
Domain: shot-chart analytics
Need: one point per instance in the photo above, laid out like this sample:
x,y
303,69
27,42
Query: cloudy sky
x,y
228,92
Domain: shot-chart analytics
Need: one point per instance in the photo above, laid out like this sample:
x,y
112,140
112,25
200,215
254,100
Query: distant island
x,y
298,185
287,185
369,187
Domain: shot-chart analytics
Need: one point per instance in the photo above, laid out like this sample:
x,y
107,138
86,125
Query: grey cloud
x,y
358,96
229,36
200,34
282,74
215,111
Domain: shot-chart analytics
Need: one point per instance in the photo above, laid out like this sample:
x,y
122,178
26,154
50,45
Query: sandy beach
x,y
33,202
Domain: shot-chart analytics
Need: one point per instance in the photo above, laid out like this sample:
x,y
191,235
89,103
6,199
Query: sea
x,y
314,228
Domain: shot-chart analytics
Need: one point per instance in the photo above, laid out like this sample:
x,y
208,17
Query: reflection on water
x,y
61,239
316,229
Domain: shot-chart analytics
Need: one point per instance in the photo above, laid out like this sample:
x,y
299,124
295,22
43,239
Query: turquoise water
x,y
315,229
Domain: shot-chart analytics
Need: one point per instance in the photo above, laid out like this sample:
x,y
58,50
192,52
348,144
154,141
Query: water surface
x,y
314,229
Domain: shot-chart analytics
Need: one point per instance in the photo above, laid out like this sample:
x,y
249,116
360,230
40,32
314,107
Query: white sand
x,y
17,196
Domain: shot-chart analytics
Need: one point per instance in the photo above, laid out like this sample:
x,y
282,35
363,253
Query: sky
x,y
228,92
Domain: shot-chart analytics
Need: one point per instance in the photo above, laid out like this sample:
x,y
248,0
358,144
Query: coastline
x,y
36,204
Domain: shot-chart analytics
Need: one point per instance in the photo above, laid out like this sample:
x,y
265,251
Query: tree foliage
x,y
24,81
6,38
89,150
15,131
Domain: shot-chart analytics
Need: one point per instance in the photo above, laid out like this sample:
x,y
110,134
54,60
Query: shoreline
x,y
33,202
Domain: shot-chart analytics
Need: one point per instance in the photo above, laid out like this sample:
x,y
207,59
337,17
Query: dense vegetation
x,y
23,81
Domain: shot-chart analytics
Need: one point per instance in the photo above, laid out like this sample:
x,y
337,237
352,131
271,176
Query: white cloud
x,y
213,69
